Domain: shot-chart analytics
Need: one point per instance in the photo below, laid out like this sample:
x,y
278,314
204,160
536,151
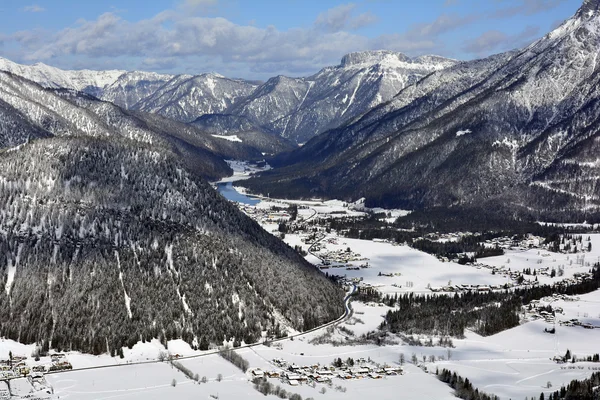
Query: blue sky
x,y
256,39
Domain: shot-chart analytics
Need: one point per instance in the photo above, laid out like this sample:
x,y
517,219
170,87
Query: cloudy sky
x,y
256,39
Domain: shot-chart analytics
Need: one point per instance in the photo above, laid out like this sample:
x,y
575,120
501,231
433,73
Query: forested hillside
x,y
109,235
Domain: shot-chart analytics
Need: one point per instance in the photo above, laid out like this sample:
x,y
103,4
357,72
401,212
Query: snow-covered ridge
x,y
52,77
391,59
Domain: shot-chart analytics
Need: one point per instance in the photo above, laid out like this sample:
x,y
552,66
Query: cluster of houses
x,y
59,363
13,368
265,215
341,258
468,288
295,375
17,367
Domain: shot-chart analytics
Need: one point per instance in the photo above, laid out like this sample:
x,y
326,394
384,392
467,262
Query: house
x,y
293,382
322,379
374,376
360,371
293,377
393,371
257,373
273,374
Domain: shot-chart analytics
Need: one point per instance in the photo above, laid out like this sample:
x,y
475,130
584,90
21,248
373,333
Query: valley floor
x,y
513,364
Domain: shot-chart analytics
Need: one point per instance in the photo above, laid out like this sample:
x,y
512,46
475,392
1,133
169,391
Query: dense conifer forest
x,y
108,242
485,313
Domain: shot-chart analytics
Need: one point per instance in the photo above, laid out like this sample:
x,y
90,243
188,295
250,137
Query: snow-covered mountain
x,y
52,77
300,108
297,109
185,98
131,87
28,111
110,235
520,129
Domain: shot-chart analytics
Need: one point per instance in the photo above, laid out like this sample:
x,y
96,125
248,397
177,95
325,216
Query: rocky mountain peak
x,y
589,9
372,57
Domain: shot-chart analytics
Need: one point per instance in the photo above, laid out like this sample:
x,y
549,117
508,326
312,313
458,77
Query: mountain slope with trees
x,y
518,129
109,235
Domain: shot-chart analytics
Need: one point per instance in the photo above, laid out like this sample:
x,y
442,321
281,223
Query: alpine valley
x,y
391,226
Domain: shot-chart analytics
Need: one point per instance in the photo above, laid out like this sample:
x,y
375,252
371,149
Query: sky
x,y
258,39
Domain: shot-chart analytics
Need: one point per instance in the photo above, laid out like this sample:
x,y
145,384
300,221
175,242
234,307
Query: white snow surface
x,y
231,138
52,77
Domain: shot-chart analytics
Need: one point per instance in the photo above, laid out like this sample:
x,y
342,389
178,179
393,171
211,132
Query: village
x,y
18,366
295,375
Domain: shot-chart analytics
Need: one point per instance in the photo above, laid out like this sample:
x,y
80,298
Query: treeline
x,y
586,389
185,370
414,234
265,387
494,218
446,315
235,359
463,387
485,313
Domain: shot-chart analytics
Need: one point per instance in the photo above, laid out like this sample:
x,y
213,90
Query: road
x,y
347,313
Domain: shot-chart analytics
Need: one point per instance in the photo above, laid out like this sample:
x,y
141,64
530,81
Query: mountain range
x,y
294,109
518,130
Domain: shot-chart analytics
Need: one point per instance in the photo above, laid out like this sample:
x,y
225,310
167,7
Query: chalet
x,y
293,377
373,375
322,379
273,374
257,373
392,371
293,382
360,371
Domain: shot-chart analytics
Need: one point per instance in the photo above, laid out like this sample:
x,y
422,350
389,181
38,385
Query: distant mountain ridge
x,y
517,130
296,109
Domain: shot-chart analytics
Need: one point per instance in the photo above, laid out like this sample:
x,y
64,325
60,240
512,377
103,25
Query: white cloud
x,y
341,18
176,40
34,8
